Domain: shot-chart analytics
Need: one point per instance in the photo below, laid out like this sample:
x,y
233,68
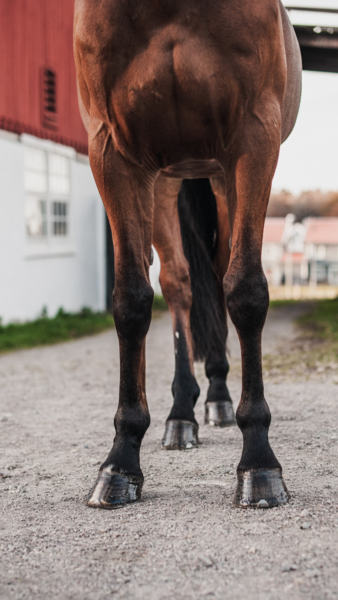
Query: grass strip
x,y
63,327
322,321
159,303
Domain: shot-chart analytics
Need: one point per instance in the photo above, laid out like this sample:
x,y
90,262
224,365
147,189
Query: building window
x,y
47,187
49,98
59,226
58,171
321,252
35,171
36,217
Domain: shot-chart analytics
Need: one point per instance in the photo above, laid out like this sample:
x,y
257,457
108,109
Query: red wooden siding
x,y
35,34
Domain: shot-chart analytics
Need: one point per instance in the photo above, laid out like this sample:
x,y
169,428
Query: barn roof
x,y
274,229
38,93
323,230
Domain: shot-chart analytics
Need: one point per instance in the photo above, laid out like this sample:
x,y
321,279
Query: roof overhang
x,y
318,43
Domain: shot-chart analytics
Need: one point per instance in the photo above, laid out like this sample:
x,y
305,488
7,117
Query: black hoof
x,y
219,414
180,435
113,490
261,488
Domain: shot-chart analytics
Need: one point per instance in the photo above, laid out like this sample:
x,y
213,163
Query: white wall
x,y
68,273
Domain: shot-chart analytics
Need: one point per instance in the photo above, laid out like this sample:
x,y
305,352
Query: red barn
x,y
38,86
52,222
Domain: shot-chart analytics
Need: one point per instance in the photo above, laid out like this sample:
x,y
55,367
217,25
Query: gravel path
x,y
185,540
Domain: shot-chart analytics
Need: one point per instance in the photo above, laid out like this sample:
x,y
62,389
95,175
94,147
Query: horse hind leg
x,y
249,176
181,431
127,194
219,410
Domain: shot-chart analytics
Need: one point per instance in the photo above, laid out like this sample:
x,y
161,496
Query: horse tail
x,y
197,211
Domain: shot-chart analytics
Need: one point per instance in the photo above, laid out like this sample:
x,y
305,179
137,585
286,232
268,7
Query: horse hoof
x,y
113,490
261,488
180,435
219,414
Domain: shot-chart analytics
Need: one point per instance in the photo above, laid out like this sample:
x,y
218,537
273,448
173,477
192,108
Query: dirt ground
x,y
185,540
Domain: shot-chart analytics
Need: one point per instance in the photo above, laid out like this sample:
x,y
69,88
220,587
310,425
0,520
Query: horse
x,y
186,104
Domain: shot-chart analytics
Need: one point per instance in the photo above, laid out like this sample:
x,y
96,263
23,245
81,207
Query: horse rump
x,y
197,211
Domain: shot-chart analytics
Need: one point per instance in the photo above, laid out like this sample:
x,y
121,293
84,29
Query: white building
x,y
52,230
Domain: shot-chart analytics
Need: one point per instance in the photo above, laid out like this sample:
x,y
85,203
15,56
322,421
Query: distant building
x,y
300,253
273,249
321,249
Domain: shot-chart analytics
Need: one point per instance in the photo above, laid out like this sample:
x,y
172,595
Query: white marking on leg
x,y
104,475
177,334
95,497
132,491
108,469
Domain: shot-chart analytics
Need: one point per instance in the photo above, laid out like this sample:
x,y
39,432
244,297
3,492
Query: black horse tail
x,y
197,211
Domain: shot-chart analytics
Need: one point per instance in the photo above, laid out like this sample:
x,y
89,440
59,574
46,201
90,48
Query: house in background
x,y
273,249
321,249
300,253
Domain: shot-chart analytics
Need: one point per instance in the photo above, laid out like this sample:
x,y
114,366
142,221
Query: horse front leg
x,y
249,176
128,198
181,430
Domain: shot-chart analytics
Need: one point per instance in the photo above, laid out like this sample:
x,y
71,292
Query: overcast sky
x,y
309,158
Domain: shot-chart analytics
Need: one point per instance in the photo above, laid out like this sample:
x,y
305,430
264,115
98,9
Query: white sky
x,y
309,158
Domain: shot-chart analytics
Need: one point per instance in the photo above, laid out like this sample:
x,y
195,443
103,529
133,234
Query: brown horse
x,y
188,89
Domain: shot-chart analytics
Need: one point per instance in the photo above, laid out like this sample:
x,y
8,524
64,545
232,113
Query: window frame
x,y
49,244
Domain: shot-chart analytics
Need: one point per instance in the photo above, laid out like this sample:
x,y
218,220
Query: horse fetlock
x,y
185,388
257,452
218,390
253,416
217,368
124,456
132,422
185,392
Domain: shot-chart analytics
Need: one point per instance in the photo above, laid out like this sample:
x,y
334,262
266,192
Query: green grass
x,y
316,348
61,328
278,303
322,321
159,303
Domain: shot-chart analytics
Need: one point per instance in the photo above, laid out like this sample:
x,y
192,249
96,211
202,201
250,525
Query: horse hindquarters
x,y
127,196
